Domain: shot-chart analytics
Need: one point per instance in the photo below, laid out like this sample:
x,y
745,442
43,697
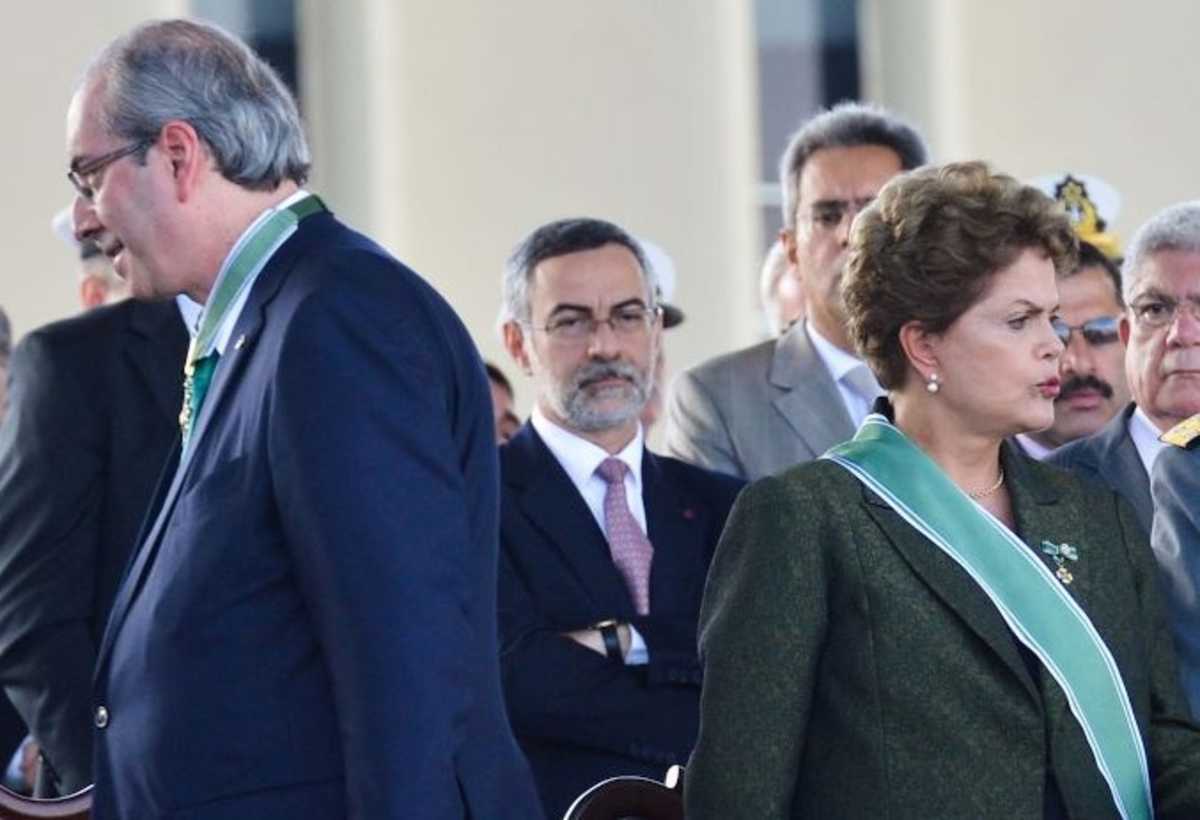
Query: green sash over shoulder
x,y
1042,615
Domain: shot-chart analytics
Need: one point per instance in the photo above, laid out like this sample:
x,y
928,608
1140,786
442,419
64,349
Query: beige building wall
x,y
449,130
44,48
1105,87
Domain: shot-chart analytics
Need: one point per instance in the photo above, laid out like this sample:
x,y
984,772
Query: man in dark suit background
x,y
1161,332
307,629
94,405
604,545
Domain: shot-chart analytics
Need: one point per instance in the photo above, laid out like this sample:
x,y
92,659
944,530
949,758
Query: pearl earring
x,y
933,383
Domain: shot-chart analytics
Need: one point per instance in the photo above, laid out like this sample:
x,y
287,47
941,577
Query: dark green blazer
x,y
853,670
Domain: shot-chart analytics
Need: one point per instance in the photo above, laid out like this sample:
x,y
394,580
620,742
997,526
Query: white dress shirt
x,y
1145,438
839,363
579,459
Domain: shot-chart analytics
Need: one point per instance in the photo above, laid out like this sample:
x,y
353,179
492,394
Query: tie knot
x,y
612,470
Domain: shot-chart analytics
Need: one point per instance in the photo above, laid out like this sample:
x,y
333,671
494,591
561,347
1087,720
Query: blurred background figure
x,y
780,291
664,269
1092,367
507,421
5,352
98,282
761,409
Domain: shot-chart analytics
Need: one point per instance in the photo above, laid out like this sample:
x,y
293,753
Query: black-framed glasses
x,y
1097,332
576,326
79,172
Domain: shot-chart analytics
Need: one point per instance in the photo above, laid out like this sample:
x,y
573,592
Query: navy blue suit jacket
x,y
308,629
579,716
95,403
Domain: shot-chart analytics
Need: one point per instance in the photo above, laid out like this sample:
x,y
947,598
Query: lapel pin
x,y
241,340
1060,554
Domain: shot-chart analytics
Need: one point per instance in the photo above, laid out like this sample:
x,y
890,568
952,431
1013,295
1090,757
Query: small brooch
x,y
1061,553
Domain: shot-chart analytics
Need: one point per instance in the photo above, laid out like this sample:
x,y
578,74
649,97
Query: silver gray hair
x,y
560,238
1176,228
201,74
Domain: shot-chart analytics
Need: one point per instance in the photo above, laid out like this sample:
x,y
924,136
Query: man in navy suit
x,y
307,628
604,545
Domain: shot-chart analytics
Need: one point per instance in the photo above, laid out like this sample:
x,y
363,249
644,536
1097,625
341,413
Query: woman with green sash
x,y
925,623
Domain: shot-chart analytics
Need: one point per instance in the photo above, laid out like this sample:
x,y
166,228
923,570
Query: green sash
x,y
248,258
1042,615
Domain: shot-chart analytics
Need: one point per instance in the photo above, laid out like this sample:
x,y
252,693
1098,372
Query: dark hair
x,y
496,376
559,239
1092,257
926,250
846,125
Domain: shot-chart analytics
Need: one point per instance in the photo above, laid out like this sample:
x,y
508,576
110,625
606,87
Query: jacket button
x,y
101,717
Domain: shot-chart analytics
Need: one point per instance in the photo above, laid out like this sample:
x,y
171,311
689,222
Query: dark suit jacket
x,y
1176,540
853,669
95,400
309,629
1110,457
579,716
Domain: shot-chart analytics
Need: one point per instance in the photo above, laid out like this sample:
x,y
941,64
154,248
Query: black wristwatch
x,y
612,643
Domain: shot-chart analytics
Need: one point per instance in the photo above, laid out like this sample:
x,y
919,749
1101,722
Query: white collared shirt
x,y
1145,438
221,341
1034,448
579,459
838,363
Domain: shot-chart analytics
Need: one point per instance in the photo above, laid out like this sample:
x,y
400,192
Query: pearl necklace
x,y
975,495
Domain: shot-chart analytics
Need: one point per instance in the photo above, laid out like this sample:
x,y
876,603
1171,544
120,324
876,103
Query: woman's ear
x,y
920,347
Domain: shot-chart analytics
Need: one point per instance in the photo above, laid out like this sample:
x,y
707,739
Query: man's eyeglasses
x,y
1097,332
80,172
1160,311
575,326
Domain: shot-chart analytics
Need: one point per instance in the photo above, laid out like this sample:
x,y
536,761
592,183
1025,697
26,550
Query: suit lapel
x,y
249,324
809,401
550,503
952,585
1120,461
674,526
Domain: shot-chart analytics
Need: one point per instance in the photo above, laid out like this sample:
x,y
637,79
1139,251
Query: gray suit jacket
x,y
1110,457
1176,540
755,412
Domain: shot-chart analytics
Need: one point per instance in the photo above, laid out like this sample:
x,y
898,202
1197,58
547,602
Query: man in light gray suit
x,y
757,411
1161,332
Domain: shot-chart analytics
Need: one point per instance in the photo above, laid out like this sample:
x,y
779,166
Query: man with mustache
x,y
604,545
1161,331
1092,365
760,410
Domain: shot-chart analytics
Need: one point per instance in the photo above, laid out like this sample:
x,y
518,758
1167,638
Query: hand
x,y
593,640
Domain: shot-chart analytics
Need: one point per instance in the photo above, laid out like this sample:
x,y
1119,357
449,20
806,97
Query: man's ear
x,y
514,343
788,237
1124,329
920,347
185,155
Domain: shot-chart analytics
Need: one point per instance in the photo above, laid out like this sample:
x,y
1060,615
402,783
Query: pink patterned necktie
x,y
631,550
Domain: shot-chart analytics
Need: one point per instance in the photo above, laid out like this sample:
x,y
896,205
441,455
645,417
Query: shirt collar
x,y
190,311
837,361
1145,438
580,457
